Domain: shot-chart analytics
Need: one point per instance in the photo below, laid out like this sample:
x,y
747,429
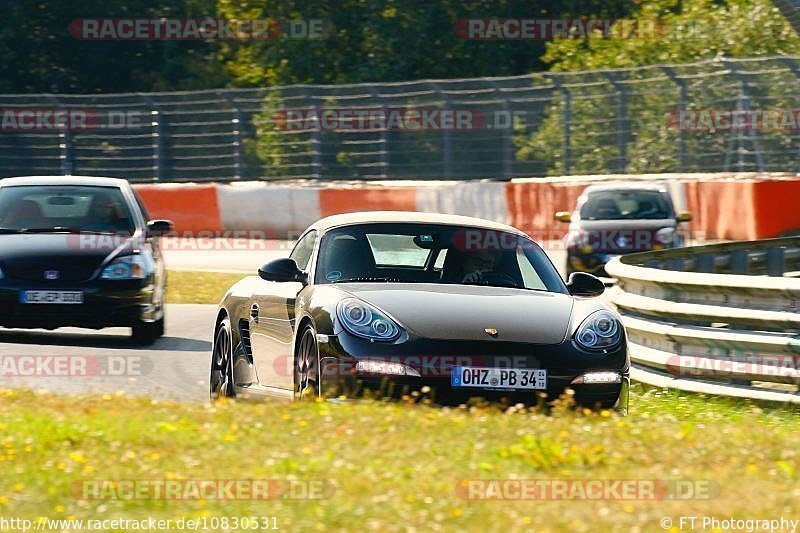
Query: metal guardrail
x,y
720,318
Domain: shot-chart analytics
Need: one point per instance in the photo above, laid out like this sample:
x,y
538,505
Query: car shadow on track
x,y
102,340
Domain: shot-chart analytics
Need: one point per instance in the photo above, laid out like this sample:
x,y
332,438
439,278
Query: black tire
x,y
146,333
221,379
306,365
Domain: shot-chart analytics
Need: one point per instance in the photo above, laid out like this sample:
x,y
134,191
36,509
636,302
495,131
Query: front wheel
x,y
221,380
146,333
306,374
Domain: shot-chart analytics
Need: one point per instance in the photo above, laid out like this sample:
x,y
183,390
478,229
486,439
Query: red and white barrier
x,y
725,206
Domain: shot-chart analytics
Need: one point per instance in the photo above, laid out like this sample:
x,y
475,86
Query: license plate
x,y
499,378
51,297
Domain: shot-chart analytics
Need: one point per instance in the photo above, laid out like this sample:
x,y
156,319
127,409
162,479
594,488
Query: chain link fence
x,y
608,121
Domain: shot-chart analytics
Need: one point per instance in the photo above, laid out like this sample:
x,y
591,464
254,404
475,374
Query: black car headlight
x,y
599,331
364,320
127,267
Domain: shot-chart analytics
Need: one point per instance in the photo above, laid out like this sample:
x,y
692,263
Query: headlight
x,y
126,267
665,235
1,274
599,331
365,321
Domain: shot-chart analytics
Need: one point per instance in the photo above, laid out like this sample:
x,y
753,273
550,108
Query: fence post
x,y
447,137
739,262
508,141
237,123
316,137
743,103
791,64
157,129
567,119
775,263
158,144
66,155
384,134
622,122
682,98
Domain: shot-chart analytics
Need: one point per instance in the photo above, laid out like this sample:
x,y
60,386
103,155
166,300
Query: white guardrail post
x,y
720,319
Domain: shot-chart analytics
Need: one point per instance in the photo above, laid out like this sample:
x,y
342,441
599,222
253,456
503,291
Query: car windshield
x,y
427,253
54,208
621,205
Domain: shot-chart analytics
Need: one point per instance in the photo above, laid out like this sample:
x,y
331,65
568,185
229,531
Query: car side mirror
x,y
159,228
684,216
583,284
564,216
282,269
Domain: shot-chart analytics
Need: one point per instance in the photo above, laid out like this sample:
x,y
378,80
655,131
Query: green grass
x,y
396,465
185,287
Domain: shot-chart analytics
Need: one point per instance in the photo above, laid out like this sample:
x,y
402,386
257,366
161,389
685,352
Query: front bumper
x,y
592,262
433,362
105,304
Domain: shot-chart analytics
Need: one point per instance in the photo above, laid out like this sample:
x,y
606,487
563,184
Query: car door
x,y
153,244
272,310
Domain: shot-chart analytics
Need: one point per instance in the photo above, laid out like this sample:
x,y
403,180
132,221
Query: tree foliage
x,y
689,31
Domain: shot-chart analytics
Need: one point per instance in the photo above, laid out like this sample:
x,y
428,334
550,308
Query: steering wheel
x,y
498,279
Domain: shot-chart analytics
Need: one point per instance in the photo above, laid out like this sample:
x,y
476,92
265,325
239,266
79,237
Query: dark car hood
x,y
462,312
27,256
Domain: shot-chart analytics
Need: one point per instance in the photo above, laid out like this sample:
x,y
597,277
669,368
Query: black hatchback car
x,y
79,251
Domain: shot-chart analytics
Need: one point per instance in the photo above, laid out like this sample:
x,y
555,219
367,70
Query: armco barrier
x,y
720,318
725,206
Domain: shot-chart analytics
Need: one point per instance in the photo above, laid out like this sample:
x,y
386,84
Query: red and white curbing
x,y
725,205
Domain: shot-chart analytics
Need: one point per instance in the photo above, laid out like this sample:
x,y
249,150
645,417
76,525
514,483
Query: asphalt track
x,y
176,367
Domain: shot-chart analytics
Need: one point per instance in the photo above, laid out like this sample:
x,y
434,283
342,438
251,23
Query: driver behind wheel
x,y
476,264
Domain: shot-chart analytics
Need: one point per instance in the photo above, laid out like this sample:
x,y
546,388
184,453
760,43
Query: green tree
x,y
38,53
690,30
371,40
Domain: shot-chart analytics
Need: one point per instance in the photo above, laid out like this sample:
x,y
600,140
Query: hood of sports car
x,y
464,312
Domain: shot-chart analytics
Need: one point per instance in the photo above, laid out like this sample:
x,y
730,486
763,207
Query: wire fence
x,y
662,118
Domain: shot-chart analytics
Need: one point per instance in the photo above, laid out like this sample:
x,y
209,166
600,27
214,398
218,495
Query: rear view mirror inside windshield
x,y
427,241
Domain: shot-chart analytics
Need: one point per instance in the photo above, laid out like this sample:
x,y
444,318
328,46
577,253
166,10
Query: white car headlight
x,y
665,235
365,321
126,267
599,331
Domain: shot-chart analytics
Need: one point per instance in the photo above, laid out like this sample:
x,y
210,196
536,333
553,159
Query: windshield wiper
x,y
61,229
8,231
51,229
